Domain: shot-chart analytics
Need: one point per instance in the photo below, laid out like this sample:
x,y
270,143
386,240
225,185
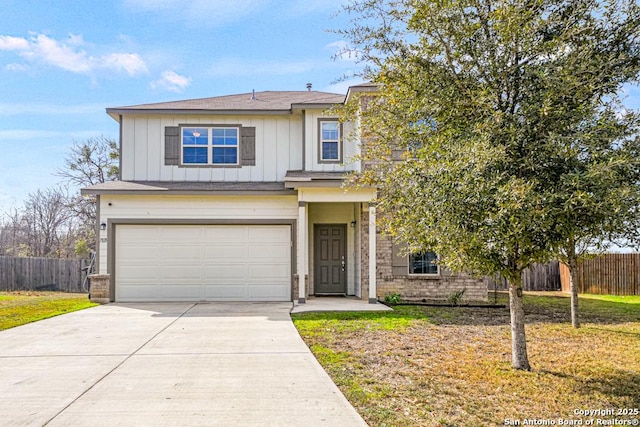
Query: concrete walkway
x,y
337,304
181,364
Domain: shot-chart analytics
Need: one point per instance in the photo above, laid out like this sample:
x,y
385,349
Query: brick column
x,y
372,254
100,288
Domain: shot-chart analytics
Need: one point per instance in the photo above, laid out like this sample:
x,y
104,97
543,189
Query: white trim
x,y
303,238
351,257
210,145
410,274
336,195
372,253
237,146
337,141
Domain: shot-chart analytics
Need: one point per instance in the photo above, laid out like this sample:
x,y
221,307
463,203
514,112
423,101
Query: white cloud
x,y
68,55
51,52
171,81
13,43
130,63
76,39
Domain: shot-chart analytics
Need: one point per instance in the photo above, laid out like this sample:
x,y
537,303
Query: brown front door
x,y
330,272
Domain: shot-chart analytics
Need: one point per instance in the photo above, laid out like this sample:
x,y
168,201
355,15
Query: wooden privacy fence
x,y
52,274
607,274
540,277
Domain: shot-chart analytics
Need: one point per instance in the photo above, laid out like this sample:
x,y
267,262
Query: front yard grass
x,y
18,308
451,366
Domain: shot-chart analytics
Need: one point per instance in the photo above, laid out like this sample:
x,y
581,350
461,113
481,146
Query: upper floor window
x,y
329,141
210,145
424,263
419,128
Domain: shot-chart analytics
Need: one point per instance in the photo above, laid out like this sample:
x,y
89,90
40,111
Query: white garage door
x,y
203,263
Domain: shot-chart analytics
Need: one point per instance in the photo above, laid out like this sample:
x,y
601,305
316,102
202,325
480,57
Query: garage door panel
x,y
138,293
142,234
195,263
267,234
181,292
230,271
225,234
179,234
139,272
138,251
184,274
269,271
265,293
231,292
269,251
186,253
225,252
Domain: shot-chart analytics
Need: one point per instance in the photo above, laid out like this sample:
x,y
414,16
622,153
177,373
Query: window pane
x,y
330,151
424,263
330,131
195,136
226,155
194,155
225,136
415,145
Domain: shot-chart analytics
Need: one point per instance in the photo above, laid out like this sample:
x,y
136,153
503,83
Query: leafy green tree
x,y
490,117
595,198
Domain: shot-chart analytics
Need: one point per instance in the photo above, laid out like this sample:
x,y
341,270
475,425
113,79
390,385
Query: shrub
x,y
392,298
456,297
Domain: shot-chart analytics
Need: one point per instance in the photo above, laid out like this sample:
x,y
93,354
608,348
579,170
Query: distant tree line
x,y
58,222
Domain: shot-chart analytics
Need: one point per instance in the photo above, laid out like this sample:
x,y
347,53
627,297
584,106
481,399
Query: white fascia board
x,y
336,195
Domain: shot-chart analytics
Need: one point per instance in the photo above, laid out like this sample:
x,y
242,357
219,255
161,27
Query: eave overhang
x,y
188,188
308,179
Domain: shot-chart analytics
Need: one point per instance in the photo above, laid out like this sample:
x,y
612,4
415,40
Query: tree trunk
x,y
573,280
519,358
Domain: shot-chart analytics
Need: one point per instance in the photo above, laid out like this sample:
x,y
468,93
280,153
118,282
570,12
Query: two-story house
x,y
241,198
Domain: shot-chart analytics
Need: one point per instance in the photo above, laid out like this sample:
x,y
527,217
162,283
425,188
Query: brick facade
x,y
296,287
412,287
100,288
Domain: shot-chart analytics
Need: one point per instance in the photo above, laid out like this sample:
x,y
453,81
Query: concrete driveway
x,y
179,364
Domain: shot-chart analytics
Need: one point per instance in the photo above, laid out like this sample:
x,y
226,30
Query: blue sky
x,y
63,62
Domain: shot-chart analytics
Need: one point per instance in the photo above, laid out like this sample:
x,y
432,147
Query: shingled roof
x,y
274,101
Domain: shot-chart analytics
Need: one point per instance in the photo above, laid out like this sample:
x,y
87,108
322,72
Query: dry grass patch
x,y
19,308
452,366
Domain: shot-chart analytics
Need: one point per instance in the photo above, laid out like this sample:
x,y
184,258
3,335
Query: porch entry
x,y
330,248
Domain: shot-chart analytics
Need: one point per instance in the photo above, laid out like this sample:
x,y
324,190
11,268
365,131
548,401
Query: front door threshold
x,y
330,295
